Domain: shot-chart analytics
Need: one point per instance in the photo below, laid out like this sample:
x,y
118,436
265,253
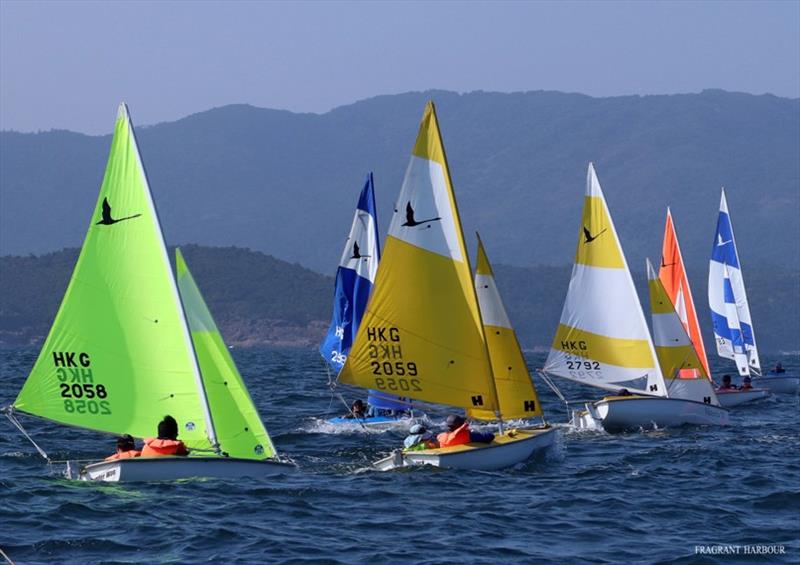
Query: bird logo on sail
x,y
665,265
588,235
720,242
107,219
411,222
357,253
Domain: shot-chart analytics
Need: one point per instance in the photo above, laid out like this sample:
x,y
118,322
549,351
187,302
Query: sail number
x,y
76,384
391,372
588,365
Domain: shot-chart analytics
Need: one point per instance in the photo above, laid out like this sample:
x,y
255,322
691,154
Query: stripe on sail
x,y
515,390
724,253
672,274
118,356
421,334
734,331
602,338
239,429
674,348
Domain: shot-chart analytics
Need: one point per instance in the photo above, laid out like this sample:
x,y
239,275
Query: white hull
x,y
173,468
505,451
637,412
731,398
778,384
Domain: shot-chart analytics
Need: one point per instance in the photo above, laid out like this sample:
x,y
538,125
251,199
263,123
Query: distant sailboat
x,y
121,352
730,311
354,279
422,334
602,339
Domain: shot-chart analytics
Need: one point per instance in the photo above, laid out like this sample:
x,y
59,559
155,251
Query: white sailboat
x,y
129,345
730,310
423,336
603,341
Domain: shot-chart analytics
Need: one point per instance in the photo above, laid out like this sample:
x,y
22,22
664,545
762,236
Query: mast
x,y
210,430
469,267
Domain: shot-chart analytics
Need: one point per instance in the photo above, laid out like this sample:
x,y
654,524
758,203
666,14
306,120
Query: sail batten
x,y
421,335
602,339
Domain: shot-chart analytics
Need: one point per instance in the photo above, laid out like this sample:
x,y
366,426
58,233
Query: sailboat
x,y
672,274
129,345
354,279
602,339
422,334
725,260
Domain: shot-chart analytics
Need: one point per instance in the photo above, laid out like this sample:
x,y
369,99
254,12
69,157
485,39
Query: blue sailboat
x,y
354,279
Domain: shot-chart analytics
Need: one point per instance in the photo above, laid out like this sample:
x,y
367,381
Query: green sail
x,y
240,432
119,357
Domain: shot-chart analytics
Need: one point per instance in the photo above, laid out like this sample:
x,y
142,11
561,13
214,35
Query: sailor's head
x,y
125,443
726,379
454,421
417,429
168,428
358,405
747,380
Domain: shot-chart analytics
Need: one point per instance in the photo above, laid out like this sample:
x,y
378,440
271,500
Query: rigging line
x,y
555,389
360,423
6,557
9,412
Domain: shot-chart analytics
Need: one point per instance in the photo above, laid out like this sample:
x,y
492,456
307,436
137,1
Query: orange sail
x,y
673,276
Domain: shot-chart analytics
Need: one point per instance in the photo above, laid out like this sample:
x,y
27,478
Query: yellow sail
x,y
515,389
421,335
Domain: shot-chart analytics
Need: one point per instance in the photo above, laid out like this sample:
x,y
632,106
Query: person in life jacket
x,y
419,438
126,449
459,433
167,442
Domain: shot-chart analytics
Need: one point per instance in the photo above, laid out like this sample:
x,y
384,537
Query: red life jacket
x,y
124,455
163,447
457,437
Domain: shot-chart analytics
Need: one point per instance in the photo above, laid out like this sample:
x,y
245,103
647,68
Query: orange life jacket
x,y
456,437
154,447
131,453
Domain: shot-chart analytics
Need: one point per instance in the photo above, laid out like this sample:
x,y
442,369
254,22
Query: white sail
x,y
735,334
602,338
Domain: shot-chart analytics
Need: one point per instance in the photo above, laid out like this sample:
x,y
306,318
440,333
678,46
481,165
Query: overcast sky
x,y
67,64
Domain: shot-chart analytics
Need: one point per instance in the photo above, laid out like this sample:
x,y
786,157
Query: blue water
x,y
647,497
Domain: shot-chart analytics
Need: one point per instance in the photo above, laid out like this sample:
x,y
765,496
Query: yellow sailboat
x,y
423,335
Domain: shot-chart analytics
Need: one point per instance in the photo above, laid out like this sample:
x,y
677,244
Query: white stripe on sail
x,y
492,311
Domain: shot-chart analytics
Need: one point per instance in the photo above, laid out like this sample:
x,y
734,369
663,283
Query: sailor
x,y
419,438
167,442
747,383
126,449
357,410
778,368
726,383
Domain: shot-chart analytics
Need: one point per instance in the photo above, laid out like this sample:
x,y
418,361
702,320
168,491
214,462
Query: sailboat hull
x,y
778,384
172,468
506,450
731,398
622,413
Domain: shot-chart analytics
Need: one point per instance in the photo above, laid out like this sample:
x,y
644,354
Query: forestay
x,y
118,356
675,351
515,390
725,255
240,432
602,338
421,335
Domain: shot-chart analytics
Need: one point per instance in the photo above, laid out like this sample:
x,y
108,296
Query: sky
x,y
67,65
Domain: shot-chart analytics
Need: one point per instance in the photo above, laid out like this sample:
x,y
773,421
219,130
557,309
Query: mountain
x,y
286,183
259,300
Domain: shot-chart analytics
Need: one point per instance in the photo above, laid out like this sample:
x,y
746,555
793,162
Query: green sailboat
x,y
129,345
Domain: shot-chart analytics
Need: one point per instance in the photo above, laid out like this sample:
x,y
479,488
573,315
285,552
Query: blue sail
x,y
725,261
354,279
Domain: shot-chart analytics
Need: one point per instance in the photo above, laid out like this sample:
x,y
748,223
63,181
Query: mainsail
x,y
602,338
515,389
672,275
734,333
725,256
119,356
240,432
674,348
422,335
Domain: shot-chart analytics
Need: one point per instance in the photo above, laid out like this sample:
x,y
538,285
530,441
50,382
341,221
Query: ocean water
x,y
645,497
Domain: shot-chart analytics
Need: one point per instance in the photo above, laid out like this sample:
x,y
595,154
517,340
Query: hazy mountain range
x,y
260,300
286,183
